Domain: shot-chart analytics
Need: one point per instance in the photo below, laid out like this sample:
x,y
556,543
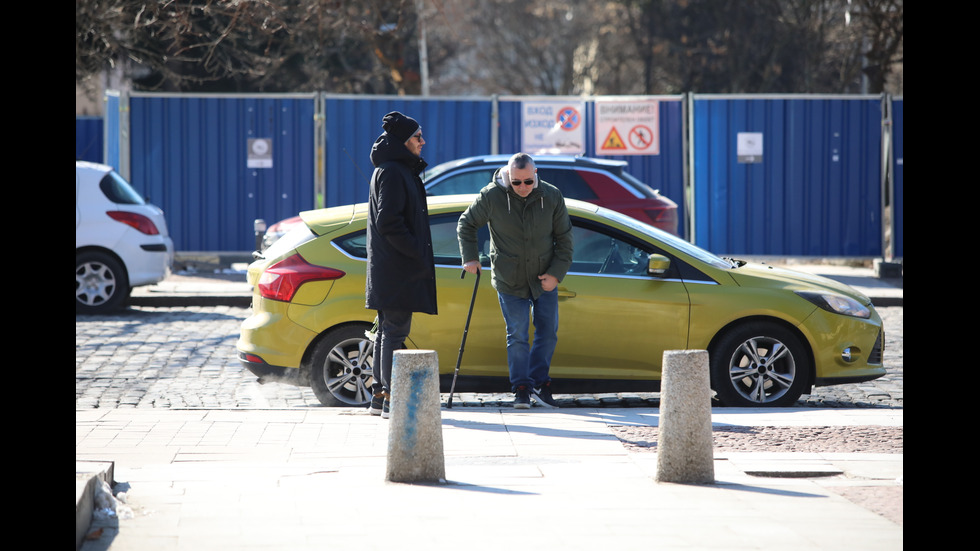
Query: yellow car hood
x,y
764,275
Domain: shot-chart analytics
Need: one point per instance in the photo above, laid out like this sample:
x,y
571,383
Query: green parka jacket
x,y
529,236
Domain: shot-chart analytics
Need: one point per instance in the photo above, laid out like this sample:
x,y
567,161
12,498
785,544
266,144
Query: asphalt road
x,y
185,357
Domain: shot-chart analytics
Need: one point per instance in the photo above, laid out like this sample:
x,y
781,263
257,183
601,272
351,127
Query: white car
x,y
121,241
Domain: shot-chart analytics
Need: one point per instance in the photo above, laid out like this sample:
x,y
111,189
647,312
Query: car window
x,y
596,252
118,190
569,182
445,245
463,182
354,244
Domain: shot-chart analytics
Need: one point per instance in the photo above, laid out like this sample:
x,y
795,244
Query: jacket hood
x,y
387,149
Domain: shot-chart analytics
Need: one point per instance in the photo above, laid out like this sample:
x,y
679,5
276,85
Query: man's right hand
x,y
472,266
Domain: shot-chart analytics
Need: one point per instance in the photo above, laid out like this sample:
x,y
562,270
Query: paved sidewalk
x,y
314,478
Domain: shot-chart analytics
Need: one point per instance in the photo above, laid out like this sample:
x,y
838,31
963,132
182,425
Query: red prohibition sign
x,y
568,118
641,137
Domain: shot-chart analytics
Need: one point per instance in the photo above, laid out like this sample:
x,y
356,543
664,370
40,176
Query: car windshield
x,y
669,239
435,171
464,181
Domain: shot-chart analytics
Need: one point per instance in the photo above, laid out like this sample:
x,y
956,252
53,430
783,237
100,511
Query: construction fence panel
x,y
796,176
452,128
766,175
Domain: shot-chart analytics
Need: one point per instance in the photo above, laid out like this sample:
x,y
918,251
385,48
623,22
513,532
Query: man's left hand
x,y
548,282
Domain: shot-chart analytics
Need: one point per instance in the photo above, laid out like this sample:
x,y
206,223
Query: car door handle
x,y
565,293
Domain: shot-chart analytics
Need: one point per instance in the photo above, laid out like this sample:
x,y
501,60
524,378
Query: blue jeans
x,y
529,363
393,329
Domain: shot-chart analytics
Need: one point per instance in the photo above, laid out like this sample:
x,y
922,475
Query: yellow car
x,y
633,292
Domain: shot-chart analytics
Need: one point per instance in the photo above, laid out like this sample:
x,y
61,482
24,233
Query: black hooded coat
x,y
400,264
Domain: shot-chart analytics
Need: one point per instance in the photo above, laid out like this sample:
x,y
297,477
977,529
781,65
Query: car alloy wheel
x,y
341,367
759,364
101,284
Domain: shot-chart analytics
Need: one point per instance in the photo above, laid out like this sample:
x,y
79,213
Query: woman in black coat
x,y
400,266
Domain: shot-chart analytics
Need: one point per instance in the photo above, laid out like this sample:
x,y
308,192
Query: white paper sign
x,y
749,147
553,127
259,153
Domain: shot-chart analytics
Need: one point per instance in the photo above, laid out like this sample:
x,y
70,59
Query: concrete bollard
x,y
684,450
415,451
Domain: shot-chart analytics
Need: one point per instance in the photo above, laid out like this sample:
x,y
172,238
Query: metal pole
x,y
423,49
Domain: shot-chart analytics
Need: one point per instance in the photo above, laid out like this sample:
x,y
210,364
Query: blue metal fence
x,y
807,182
898,176
814,190
194,156
89,139
453,128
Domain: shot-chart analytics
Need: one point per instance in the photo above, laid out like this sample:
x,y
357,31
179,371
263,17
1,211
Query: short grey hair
x,y
520,160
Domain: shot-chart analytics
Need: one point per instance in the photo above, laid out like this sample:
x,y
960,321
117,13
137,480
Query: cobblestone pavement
x,y
148,357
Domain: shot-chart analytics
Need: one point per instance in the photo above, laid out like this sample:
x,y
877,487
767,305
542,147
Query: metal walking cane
x,y
466,329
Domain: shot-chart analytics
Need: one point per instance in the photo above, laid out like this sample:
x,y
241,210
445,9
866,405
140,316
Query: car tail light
x,y
281,280
138,222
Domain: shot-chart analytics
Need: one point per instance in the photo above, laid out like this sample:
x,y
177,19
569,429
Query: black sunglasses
x,y
528,182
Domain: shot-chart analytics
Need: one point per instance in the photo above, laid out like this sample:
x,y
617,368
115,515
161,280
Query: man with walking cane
x,y
530,253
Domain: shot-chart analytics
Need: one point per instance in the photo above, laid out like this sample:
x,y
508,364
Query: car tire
x,y
101,283
759,364
341,367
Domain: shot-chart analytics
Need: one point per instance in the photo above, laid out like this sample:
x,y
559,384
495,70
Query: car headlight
x,y
838,304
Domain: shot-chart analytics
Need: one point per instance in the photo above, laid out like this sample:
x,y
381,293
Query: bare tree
x,y
881,28
548,47
516,47
732,46
259,45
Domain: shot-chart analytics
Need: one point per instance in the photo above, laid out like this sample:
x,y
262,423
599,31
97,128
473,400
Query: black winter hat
x,y
399,126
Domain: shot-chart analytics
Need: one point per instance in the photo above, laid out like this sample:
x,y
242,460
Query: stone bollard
x,y
684,450
415,451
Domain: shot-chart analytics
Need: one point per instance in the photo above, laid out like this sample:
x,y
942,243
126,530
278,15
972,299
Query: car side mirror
x,y
657,264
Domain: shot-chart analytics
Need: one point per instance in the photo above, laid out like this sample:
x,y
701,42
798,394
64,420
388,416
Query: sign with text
x,y
627,127
259,153
749,147
555,127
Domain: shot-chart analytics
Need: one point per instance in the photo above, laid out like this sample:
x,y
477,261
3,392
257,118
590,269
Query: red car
x,y
277,230
600,181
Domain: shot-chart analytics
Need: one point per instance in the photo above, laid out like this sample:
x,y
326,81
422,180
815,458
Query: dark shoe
x,y
386,408
543,396
522,398
377,403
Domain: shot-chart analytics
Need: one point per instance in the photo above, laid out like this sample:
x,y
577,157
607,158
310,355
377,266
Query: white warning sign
x,y
627,127
554,127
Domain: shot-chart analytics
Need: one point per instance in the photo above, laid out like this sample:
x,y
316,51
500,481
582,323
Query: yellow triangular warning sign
x,y
613,141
